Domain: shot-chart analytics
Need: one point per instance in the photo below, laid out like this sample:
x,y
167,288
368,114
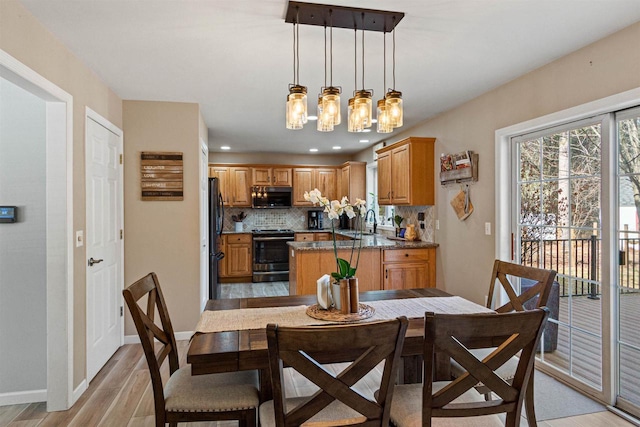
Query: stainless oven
x,y
271,255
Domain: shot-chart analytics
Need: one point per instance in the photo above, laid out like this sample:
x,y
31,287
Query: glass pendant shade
x,y
362,105
394,107
384,124
331,104
325,123
296,107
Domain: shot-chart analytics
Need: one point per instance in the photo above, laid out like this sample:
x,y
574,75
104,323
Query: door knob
x,y
94,261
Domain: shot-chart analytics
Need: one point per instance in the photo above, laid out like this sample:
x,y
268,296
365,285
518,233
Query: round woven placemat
x,y
364,312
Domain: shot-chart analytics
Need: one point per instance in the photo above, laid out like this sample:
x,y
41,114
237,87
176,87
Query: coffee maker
x,y
314,220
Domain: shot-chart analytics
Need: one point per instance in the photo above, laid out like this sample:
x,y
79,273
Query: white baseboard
x,y
20,397
82,387
180,336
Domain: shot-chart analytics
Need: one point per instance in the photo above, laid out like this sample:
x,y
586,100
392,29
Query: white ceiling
x,y
234,57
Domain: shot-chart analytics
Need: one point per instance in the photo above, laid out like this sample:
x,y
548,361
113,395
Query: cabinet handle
x,y
388,194
406,255
386,273
268,179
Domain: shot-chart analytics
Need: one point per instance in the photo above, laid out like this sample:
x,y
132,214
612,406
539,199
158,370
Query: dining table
x,y
233,347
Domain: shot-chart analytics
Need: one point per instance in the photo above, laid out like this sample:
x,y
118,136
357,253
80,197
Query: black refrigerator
x,y
216,222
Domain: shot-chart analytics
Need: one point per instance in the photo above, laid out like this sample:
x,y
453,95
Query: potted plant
x,y
397,219
345,269
237,219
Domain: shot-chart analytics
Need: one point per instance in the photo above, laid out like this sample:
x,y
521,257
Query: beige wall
x,y
163,236
24,38
465,255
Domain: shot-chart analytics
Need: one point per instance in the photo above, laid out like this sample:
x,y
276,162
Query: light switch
x,y
487,228
79,238
437,224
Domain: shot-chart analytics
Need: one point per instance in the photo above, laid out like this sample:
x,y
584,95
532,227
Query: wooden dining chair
x,y
535,296
443,403
336,402
186,398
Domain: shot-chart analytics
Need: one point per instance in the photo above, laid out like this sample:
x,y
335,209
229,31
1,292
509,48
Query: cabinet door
x,y
282,177
326,182
241,194
302,181
405,275
401,175
239,259
384,178
222,173
261,176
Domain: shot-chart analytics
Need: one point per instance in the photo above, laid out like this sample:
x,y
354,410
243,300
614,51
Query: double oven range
x,y
271,254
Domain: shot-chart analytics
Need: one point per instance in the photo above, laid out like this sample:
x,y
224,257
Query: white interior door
x,y
204,224
104,245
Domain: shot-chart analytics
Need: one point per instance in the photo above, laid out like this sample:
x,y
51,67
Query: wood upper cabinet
x,y
352,181
240,186
408,268
234,184
222,173
307,179
267,176
406,173
238,259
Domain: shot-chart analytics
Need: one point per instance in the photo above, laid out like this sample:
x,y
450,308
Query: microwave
x,y
271,197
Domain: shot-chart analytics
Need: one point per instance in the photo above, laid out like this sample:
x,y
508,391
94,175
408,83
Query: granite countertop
x,y
368,241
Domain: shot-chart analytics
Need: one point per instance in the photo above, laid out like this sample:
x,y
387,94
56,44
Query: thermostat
x,y
8,213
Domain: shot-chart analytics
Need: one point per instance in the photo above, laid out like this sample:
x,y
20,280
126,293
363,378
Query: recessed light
x,y
364,141
313,150
225,147
366,130
374,120
337,147
312,117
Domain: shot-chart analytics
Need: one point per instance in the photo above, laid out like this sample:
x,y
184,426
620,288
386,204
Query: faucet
x,y
375,222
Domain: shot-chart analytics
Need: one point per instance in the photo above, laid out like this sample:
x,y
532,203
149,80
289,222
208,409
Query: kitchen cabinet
x,y
352,181
307,179
307,266
406,173
234,184
312,237
272,177
408,268
238,256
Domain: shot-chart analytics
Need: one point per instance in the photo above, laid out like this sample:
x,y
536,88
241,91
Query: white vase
x,y
239,228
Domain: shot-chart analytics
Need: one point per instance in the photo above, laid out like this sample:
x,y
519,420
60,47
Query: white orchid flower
x,y
337,207
332,214
349,211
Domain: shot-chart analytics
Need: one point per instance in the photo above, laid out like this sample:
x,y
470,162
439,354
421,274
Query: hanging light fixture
x,y
393,97
362,103
296,112
330,94
384,124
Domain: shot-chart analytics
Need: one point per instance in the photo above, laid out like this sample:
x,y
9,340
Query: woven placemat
x,y
364,312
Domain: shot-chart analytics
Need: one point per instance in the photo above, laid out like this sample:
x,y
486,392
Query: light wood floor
x,y
120,395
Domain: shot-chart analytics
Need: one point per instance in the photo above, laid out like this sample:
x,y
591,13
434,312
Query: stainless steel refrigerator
x,y
216,223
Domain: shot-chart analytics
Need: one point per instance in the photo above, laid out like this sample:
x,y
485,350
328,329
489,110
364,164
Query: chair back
x,y
364,345
149,331
541,289
455,334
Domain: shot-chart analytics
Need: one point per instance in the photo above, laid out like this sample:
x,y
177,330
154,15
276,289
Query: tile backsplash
x,y
295,218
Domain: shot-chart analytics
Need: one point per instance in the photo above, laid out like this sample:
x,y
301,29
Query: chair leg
x,y
529,405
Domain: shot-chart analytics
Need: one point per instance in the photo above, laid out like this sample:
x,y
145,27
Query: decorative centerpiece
x,y
345,286
237,219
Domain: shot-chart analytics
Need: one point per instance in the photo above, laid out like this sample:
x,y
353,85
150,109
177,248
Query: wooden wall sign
x,y
162,173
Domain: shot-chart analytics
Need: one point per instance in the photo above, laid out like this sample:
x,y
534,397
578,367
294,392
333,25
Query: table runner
x,y
257,318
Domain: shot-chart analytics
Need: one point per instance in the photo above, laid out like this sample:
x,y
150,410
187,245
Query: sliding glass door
x,y
628,286
558,225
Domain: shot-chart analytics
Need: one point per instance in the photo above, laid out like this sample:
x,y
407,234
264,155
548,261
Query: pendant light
x,y
330,94
384,124
325,123
394,98
362,101
296,112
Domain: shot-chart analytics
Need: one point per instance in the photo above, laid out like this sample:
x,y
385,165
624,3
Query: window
x,y
383,213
